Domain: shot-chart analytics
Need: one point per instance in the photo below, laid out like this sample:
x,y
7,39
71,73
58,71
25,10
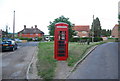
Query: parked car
x,y
9,45
18,40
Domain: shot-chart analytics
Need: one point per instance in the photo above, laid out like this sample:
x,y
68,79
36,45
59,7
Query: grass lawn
x,y
46,63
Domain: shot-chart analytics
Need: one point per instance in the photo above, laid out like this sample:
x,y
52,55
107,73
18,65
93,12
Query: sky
x,y
41,12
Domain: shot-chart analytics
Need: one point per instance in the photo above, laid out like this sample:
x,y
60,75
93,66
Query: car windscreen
x,y
6,42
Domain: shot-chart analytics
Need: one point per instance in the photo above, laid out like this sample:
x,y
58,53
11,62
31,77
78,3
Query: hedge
x,y
96,39
30,39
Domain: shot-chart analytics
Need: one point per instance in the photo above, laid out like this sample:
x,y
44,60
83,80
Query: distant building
x,y
30,32
82,30
115,31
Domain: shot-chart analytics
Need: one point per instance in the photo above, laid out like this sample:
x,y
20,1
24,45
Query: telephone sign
x,y
61,41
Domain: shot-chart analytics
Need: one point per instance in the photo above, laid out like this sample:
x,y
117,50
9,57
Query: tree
x,y
105,32
108,32
96,27
51,27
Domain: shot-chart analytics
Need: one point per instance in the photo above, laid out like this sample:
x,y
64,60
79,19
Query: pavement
x,y
102,63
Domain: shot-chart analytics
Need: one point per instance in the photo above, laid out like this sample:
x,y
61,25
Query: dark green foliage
x,y
96,27
51,27
51,38
28,39
105,32
39,39
118,16
74,39
85,39
96,39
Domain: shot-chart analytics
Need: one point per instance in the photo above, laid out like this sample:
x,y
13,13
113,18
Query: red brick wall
x,y
30,35
115,31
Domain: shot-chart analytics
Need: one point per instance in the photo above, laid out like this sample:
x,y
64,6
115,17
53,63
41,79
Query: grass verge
x,y
46,64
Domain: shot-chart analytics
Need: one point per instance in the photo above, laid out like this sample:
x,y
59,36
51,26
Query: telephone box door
x,y
61,41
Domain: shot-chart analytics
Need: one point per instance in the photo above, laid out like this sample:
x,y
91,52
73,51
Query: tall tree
x,y
96,27
51,27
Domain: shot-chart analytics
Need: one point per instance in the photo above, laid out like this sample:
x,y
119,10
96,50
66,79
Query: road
x,y
102,63
15,64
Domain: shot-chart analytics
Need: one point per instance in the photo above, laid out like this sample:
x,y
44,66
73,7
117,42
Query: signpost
x,y
61,41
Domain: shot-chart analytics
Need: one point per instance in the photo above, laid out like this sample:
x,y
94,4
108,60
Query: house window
x,y
84,32
37,34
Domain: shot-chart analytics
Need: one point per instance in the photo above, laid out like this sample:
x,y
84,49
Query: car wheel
x,y
13,49
16,47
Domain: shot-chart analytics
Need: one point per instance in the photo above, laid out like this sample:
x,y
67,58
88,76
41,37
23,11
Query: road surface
x,y
15,64
102,63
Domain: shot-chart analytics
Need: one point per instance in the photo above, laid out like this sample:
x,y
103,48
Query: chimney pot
x,y
24,26
32,27
35,26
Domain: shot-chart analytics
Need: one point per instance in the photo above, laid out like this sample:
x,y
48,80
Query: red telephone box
x,y
61,41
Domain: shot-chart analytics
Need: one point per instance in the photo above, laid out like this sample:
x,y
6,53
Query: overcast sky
x,y
41,12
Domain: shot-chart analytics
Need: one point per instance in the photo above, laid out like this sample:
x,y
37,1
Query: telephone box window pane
x,y
61,51
61,48
60,41
61,44
62,35
61,55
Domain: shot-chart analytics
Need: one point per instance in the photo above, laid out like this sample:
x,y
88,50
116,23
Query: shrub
x,y
97,39
39,38
51,38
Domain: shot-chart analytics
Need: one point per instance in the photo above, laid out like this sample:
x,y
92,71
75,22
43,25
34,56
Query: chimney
x,y
32,27
35,26
24,26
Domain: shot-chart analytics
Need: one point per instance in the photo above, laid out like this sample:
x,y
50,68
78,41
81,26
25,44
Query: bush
x,y
97,39
39,38
117,40
51,38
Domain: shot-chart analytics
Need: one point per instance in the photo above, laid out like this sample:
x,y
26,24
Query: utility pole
x,y
7,31
93,30
14,25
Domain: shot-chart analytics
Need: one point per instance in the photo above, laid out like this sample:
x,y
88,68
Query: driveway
x,y
102,63
15,64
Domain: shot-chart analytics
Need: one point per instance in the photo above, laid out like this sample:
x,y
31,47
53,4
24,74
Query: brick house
x,y
30,32
115,31
82,30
